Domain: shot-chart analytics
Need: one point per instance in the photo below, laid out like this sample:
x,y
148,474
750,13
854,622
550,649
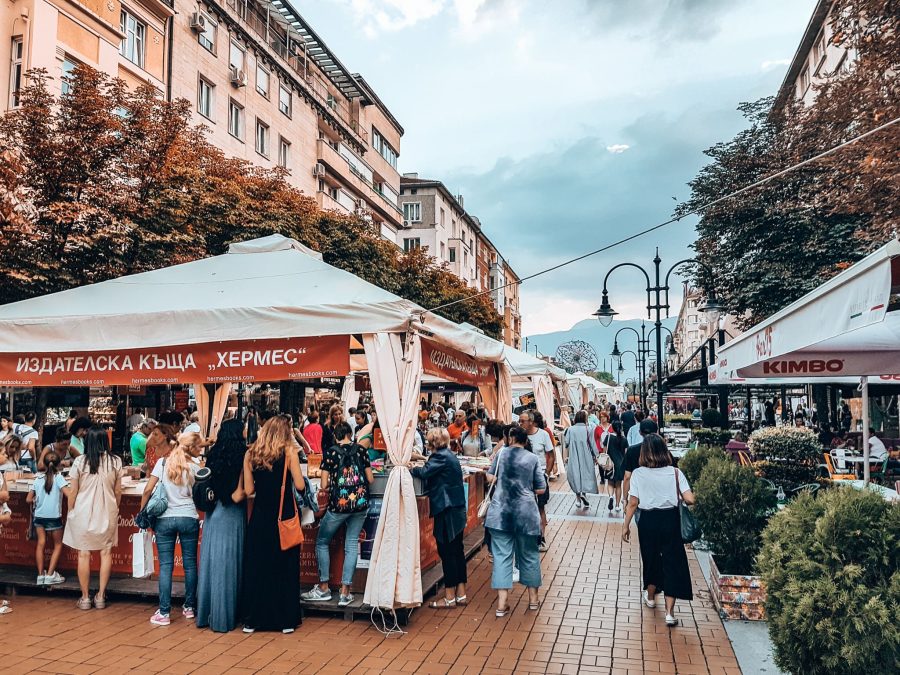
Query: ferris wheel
x,y
576,356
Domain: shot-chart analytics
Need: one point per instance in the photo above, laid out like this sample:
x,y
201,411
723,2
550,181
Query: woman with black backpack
x,y
222,548
346,477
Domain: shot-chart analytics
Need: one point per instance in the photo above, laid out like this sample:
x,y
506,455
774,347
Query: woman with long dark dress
x,y
271,586
222,548
616,447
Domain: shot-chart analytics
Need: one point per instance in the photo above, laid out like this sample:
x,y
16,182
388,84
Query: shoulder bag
x,y
159,500
486,502
690,530
289,531
604,461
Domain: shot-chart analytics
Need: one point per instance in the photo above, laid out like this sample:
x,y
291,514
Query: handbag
x,y
141,554
486,502
604,461
289,531
690,529
159,500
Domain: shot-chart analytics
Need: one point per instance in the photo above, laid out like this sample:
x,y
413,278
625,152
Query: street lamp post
x,y
639,365
640,357
658,291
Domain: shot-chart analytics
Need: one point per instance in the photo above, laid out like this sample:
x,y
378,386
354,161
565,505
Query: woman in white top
x,y
655,486
180,521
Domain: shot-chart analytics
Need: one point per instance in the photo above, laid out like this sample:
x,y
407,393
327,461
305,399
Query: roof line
x,y
816,21
370,93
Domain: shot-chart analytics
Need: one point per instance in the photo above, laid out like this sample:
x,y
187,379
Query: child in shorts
x,y
46,495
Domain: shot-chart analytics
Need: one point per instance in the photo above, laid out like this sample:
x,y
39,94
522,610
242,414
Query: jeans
x,y
525,547
329,526
187,530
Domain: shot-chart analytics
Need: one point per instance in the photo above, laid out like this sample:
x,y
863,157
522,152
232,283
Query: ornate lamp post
x,y
657,300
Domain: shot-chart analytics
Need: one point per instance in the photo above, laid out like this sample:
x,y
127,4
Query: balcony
x,y
342,203
273,36
357,174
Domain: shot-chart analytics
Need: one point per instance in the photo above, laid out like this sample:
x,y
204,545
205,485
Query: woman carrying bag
x,y
271,574
580,471
658,489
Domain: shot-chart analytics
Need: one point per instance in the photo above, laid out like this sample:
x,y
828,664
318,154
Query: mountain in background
x,y
601,339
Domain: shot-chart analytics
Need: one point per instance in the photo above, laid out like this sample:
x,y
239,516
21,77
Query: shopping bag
x,y
142,554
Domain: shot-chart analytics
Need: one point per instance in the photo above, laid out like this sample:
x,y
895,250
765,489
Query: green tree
x,y
771,245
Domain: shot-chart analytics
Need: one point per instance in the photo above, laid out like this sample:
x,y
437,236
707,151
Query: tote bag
x,y
141,554
690,529
486,502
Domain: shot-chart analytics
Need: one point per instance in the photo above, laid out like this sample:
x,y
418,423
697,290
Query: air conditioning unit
x,y
238,78
319,170
198,22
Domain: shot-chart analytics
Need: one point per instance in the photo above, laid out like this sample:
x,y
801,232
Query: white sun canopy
x,y
846,327
272,287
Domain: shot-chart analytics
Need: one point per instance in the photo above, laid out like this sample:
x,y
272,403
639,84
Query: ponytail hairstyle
x,y
179,460
51,462
617,427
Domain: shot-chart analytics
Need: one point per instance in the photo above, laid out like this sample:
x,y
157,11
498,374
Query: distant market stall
x,y
268,310
849,327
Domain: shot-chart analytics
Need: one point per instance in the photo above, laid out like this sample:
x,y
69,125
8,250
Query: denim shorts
x,y
49,524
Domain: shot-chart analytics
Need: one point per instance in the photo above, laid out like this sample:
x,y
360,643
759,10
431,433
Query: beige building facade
x,y
435,219
259,78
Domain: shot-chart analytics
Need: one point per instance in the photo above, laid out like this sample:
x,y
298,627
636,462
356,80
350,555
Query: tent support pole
x,y
864,385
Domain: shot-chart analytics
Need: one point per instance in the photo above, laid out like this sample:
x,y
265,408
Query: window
x,y
410,243
262,80
442,218
452,256
442,250
207,38
803,82
205,98
235,119
132,45
236,57
382,148
15,74
262,137
819,51
284,100
692,318
284,152
412,212
67,73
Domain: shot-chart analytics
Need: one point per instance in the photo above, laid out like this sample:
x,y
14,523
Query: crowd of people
x,y
246,573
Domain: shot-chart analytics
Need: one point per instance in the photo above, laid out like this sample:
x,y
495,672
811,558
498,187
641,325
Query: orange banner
x,y
454,366
236,361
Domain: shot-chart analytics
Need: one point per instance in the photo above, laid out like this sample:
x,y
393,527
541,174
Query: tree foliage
x,y
103,181
771,245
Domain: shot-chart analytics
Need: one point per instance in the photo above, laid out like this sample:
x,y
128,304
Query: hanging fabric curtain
x,y
460,397
212,401
395,574
543,397
349,395
504,393
489,398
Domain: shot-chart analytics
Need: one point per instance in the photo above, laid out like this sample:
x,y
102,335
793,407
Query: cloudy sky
x,y
567,124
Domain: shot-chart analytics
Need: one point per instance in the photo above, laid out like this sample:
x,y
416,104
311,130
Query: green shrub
x,y
679,420
831,566
712,437
712,418
733,507
788,456
694,461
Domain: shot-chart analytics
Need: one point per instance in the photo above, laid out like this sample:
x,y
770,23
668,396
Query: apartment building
x,y
271,92
260,79
817,58
124,39
436,219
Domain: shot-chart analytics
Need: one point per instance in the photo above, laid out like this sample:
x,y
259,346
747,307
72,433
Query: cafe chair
x,y
809,488
744,458
839,454
878,470
832,473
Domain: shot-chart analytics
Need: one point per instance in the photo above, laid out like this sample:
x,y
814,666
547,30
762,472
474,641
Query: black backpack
x,y
349,486
203,494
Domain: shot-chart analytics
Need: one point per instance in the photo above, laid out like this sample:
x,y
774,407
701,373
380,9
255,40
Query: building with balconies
x,y
270,91
124,39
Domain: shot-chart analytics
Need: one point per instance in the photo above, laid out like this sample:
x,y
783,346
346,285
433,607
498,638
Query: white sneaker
x,y
53,579
648,601
515,575
618,508
316,595
671,621
41,580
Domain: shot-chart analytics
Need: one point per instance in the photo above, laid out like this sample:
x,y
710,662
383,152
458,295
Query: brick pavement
x,y
591,621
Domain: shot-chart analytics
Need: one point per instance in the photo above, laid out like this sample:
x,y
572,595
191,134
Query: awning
x,y
849,326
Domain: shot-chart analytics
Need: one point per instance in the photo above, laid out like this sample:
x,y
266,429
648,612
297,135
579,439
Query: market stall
x,y
268,310
847,327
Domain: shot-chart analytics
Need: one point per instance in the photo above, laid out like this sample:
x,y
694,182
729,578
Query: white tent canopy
x,y
845,327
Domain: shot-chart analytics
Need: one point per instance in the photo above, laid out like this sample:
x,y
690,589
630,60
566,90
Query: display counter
x,y
17,551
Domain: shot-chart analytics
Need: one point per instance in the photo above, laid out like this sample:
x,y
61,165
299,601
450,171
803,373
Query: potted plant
x,y
681,420
831,568
787,456
717,437
693,463
733,507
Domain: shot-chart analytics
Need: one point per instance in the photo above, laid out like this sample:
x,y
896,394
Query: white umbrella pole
x,y
864,385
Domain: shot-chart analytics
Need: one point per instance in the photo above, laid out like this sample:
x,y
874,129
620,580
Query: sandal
x,y
99,602
442,604
500,613
462,600
83,603
4,607
534,606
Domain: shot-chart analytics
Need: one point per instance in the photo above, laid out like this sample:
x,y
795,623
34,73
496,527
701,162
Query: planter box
x,y
737,596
